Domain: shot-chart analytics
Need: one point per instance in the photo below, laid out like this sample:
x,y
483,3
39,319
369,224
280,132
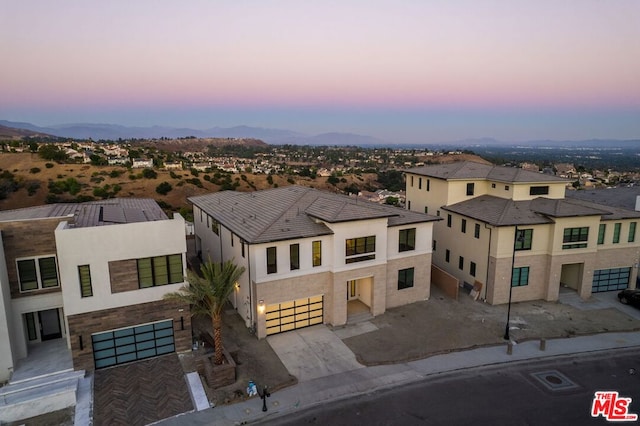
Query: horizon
x,y
402,72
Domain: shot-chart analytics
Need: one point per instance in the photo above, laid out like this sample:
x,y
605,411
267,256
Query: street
x,y
550,392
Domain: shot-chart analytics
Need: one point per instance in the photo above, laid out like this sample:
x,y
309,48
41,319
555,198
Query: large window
x,y
215,226
472,269
463,226
632,232
616,233
294,256
36,273
601,231
449,220
84,273
405,278
461,263
575,238
360,249
539,190
520,277
523,239
316,248
470,188
407,239
160,270
476,230
447,255
272,260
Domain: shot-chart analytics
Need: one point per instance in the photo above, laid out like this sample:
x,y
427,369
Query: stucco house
x,y
93,274
507,227
314,257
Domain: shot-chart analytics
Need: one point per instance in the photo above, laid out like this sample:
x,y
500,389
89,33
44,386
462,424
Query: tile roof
x,y
92,213
464,170
294,212
506,212
623,197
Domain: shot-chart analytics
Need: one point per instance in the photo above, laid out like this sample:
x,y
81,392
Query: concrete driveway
x,y
313,352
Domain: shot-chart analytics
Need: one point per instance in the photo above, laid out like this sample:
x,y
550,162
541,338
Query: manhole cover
x,y
554,380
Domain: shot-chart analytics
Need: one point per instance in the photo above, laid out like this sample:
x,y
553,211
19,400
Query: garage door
x,y
610,279
294,314
132,343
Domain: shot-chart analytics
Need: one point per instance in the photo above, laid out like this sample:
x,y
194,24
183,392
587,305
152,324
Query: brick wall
x,y
28,238
95,322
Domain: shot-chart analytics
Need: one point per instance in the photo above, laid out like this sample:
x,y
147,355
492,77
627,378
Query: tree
x,y
207,295
164,188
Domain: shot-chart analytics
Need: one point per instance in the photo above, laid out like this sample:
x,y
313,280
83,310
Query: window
x,y
316,248
294,256
506,187
539,190
428,184
461,263
232,239
601,230
272,265
31,326
215,226
470,188
447,255
419,183
632,232
449,220
426,209
407,240
463,226
84,274
575,238
356,249
520,277
523,239
616,233
412,181
476,230
36,273
493,185
438,213
405,278
242,247
409,205
472,269
433,245
160,270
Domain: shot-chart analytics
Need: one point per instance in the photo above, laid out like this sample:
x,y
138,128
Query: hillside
x,y
12,133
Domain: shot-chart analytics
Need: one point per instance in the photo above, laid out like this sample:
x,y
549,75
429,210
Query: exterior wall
x,y
7,357
211,245
498,290
376,273
100,245
83,325
23,305
444,281
457,190
421,289
521,190
619,258
433,199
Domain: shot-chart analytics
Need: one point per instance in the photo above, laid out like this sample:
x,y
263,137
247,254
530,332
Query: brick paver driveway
x,y
141,392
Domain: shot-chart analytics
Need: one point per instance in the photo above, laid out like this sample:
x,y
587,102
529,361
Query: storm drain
x,y
554,380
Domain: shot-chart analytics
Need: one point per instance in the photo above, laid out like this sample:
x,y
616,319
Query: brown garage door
x,y
294,314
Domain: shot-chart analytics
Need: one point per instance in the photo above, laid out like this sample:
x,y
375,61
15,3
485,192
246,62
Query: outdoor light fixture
x,y
518,237
237,286
261,307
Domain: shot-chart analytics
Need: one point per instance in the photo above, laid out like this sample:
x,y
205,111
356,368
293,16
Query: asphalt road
x,y
551,392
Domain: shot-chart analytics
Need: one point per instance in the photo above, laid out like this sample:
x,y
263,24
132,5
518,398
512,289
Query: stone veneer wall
x,y
28,238
123,275
84,325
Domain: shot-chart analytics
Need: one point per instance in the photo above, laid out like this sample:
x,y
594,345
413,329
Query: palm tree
x,y
207,295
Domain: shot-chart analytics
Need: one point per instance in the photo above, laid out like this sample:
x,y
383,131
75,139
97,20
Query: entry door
x,y
352,290
49,324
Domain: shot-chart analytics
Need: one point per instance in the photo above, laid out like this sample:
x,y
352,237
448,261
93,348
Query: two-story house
x,y
94,274
314,257
506,227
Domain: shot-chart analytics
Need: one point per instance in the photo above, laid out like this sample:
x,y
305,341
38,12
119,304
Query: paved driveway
x,y
313,352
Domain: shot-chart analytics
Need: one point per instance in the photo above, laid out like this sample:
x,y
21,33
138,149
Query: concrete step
x,y
24,390
359,317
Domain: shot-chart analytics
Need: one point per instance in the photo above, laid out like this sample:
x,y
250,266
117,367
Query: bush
x,y
34,170
48,165
149,174
164,188
195,181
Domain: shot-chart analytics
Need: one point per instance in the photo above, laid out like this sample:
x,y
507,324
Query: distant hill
x,y
17,133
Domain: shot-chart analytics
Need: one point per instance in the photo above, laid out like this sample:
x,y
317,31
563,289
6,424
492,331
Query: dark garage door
x,y
610,279
132,343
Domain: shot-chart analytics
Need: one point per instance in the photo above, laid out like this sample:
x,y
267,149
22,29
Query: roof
x,y
295,212
623,197
467,170
93,213
506,212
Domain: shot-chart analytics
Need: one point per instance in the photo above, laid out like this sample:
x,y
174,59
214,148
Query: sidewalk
x,y
365,380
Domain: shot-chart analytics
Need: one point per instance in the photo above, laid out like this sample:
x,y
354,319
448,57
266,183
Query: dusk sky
x,y
404,71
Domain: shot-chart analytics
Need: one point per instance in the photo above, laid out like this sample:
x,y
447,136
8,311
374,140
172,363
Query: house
x,y
507,227
93,274
142,163
314,257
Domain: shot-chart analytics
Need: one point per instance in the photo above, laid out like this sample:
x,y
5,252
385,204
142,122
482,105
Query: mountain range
x,y
282,136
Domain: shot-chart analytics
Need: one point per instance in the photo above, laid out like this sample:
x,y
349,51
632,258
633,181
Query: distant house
x,y
142,163
173,165
565,170
314,257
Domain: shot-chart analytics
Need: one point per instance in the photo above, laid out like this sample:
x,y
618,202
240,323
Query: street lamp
x,y
518,237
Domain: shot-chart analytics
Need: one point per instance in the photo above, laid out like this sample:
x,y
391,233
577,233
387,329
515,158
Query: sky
x,y
405,71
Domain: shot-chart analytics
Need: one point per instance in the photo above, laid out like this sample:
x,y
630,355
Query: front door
x,y
352,290
49,324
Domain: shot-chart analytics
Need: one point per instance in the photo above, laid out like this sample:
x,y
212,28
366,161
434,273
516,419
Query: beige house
x,y
92,275
314,257
507,227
